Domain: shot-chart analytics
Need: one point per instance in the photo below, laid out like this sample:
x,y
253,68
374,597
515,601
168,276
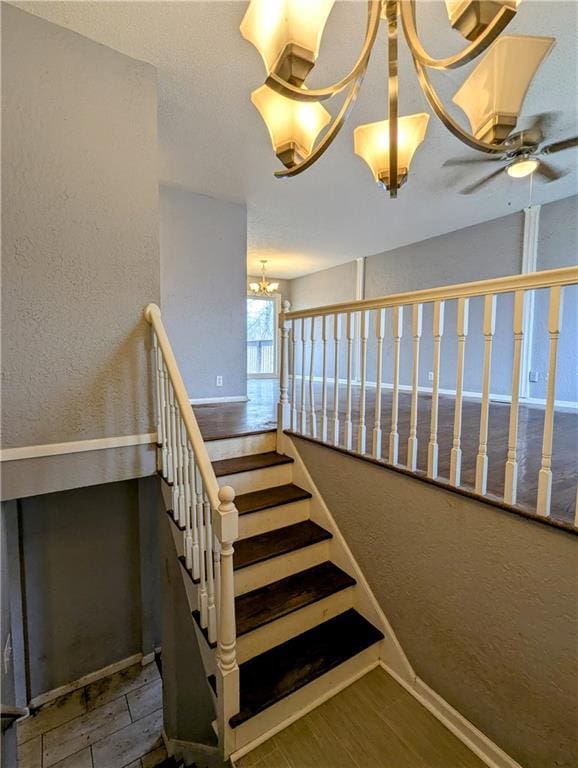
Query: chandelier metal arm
x,y
332,132
470,52
452,125
391,14
297,93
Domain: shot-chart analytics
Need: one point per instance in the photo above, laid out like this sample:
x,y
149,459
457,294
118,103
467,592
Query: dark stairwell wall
x,y
484,603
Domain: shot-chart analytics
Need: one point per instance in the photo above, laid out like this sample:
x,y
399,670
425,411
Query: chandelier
x,y
287,34
263,287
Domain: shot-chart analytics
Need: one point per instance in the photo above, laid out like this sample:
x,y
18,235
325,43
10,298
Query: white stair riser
x,y
287,627
271,519
232,447
260,574
294,706
258,479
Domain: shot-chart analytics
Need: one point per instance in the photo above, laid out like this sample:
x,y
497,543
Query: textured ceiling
x,y
212,141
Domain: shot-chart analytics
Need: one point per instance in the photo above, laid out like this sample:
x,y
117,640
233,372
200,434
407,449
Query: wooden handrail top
x,y
152,314
529,281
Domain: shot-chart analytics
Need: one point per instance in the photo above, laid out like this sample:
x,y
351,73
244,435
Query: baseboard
x,y
466,732
148,658
75,446
92,677
209,400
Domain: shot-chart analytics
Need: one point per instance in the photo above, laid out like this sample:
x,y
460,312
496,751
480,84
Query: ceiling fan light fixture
x,y
472,17
493,94
519,169
293,125
287,34
371,142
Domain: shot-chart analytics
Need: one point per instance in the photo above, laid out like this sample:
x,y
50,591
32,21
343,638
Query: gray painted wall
x,y
491,249
482,601
81,581
79,235
203,287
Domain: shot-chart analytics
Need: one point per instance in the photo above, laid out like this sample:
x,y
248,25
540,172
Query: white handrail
x,y
529,281
152,314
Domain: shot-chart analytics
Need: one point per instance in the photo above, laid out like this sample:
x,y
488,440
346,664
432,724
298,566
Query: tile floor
x,y
115,722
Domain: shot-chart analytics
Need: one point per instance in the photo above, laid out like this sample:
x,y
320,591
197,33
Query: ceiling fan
x,y
522,156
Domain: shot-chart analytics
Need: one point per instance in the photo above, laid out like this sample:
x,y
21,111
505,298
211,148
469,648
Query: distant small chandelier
x,y
287,34
263,287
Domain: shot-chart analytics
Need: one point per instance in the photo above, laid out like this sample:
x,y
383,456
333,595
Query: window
x,y
261,337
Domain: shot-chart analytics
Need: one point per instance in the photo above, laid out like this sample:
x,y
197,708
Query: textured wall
x,y
483,602
79,235
203,285
80,562
330,286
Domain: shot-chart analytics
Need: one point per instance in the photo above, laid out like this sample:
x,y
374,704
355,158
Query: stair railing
x,y
343,331
205,512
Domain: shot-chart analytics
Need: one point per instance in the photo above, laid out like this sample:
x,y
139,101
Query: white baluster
x,y
312,415
336,339
202,592
174,453
482,458
188,537
163,408
350,332
211,610
417,317
324,331
217,576
379,334
158,407
182,454
364,333
194,518
545,474
293,377
511,474
438,329
283,407
397,334
170,462
303,413
227,531
576,511
456,452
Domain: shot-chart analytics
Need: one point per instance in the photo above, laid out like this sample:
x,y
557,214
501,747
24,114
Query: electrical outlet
x,y
430,376
534,376
219,381
7,653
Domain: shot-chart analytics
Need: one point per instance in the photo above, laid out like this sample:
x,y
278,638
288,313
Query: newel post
x,y
226,526
283,406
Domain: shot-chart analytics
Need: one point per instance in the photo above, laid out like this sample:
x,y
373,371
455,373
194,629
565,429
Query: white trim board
x,y
75,446
465,731
209,400
75,685
571,405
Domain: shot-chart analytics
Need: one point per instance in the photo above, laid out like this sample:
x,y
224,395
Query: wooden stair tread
x,y
255,501
273,675
247,463
258,548
261,606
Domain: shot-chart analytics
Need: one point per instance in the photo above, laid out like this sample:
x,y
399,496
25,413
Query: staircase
x,y
300,633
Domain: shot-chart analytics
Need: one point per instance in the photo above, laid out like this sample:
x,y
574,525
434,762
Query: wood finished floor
x,y
373,723
259,414
115,722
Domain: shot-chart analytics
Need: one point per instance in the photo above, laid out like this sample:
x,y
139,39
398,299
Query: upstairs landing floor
x,y
260,414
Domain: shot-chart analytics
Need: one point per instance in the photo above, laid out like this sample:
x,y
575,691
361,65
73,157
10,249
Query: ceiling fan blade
x,y
549,172
559,146
481,183
467,160
540,125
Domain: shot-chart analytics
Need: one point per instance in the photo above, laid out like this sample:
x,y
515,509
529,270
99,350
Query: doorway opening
x,y
262,336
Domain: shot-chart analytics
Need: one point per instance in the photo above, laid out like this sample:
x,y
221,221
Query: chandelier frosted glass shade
x,y
287,34
472,17
371,142
293,125
493,94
